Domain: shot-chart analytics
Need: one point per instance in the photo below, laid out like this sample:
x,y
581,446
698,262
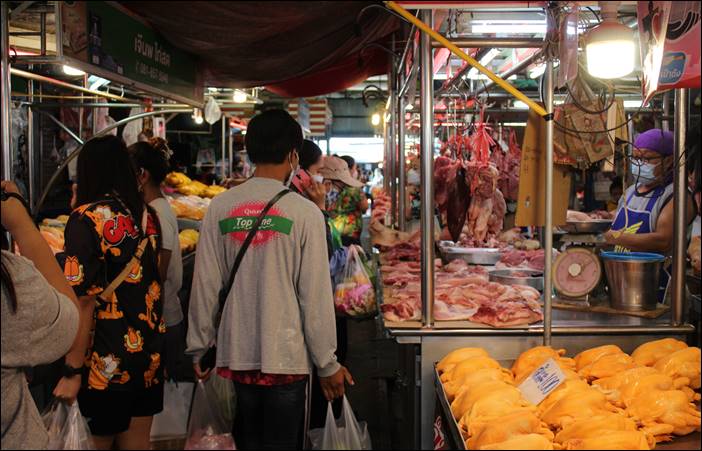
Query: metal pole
x,y
75,153
63,127
548,226
426,95
63,84
231,152
514,70
666,111
224,146
402,174
6,88
42,34
392,87
30,145
500,43
679,209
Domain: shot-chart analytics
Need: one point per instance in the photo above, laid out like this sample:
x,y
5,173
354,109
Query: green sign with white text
x,y
121,44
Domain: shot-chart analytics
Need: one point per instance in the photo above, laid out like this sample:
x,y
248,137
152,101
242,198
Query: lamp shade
x,y
610,50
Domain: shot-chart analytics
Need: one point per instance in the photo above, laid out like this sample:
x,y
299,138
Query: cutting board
x,y
531,206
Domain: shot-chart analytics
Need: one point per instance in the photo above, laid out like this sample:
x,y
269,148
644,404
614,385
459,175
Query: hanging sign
x,y
669,35
118,46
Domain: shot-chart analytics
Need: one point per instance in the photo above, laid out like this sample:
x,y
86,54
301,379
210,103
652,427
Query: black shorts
x,y
110,412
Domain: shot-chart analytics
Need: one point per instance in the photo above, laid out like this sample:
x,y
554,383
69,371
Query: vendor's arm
x,y
659,241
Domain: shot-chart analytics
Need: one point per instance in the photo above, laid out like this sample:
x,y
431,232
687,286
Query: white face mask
x,y
644,173
293,171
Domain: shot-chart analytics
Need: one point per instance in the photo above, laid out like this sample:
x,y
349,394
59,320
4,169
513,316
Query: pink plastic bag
x,y
208,428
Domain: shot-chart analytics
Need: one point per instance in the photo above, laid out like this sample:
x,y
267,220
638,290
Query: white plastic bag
x,y
172,422
208,428
344,433
212,111
66,427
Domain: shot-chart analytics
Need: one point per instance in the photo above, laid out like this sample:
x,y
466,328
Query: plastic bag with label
x,y
354,294
344,433
208,428
66,427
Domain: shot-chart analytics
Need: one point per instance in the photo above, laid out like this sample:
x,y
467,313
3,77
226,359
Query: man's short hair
x,y
271,136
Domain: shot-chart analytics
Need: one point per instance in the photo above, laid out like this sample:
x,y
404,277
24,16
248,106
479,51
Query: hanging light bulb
x,y
610,47
72,71
375,119
197,116
239,97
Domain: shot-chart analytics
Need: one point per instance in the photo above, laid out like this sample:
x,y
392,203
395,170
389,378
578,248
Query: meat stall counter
x,y
439,306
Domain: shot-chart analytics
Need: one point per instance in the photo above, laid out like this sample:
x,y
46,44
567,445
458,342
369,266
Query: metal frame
x,y
102,132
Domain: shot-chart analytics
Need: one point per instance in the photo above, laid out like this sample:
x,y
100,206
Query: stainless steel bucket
x,y
632,279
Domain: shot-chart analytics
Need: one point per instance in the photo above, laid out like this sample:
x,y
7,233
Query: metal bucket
x,y
632,279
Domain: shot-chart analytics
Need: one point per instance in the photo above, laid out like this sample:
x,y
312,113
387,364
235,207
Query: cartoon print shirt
x,y
125,349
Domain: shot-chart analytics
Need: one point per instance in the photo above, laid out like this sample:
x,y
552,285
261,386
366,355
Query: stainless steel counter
x,y
564,323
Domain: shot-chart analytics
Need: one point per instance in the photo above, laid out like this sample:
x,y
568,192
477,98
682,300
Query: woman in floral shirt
x,y
346,203
121,378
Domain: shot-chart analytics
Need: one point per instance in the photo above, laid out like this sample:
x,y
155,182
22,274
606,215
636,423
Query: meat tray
x,y
455,437
593,226
518,277
475,256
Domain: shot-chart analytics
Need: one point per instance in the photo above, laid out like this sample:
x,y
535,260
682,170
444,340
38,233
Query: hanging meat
x,y
508,164
487,204
450,189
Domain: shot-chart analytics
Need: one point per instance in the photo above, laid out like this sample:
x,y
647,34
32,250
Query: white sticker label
x,y
541,382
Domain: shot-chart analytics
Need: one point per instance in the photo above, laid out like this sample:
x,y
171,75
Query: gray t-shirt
x,y
172,310
279,315
39,332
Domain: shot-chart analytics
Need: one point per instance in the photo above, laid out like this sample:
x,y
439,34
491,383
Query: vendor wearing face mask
x,y
643,221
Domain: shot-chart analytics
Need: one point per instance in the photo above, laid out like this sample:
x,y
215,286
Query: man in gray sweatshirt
x,y
278,319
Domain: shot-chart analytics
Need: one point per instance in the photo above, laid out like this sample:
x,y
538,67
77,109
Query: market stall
x,y
442,293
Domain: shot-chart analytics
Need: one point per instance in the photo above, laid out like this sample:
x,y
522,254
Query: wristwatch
x,y
69,371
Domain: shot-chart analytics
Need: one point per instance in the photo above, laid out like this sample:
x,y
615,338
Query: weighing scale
x,y
577,271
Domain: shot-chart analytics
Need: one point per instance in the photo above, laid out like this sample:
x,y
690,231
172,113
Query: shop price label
x,y
542,382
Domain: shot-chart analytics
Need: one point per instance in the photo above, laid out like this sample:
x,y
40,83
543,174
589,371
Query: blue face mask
x,y
644,173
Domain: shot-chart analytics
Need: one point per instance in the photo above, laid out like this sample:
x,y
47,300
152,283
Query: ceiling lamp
x,y
375,119
240,97
610,45
197,116
72,71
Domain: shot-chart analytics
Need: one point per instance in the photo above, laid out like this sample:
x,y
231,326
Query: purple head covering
x,y
656,140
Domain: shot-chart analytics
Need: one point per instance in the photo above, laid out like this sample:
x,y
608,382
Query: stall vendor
x,y
643,220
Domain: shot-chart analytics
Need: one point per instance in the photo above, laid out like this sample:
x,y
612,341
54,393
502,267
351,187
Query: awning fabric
x,y
297,48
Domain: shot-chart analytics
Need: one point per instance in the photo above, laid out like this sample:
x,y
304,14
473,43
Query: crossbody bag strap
x,y
106,294
247,242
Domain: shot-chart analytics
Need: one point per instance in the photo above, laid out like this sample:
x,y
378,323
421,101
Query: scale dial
x,y
576,272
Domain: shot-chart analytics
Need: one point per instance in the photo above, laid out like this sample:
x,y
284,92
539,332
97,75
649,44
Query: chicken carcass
x,y
588,427
470,395
577,405
664,412
606,366
457,384
649,353
530,360
466,367
613,440
457,356
567,388
682,363
589,356
511,425
526,441
612,386
483,182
